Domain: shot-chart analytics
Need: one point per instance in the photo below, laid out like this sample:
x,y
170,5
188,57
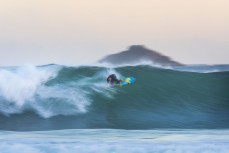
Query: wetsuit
x,y
112,79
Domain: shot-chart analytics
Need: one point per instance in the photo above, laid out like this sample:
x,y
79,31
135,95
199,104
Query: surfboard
x,y
128,80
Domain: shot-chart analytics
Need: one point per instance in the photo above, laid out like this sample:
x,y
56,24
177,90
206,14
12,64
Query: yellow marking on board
x,y
128,80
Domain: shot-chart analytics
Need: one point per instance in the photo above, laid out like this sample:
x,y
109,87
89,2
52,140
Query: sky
x,y
83,31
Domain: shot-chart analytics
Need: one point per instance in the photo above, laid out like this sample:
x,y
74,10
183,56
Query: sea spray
x,y
18,85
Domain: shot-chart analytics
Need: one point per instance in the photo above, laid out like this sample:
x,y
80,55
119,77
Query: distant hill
x,y
136,54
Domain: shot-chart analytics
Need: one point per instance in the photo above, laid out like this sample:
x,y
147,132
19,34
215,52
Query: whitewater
x,y
57,108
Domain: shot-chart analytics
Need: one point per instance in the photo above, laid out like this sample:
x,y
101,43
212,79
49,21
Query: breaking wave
x,y
57,97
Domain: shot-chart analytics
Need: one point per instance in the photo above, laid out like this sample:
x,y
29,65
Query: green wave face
x,y
159,98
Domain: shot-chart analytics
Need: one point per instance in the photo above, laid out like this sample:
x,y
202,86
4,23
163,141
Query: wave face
x,y
55,97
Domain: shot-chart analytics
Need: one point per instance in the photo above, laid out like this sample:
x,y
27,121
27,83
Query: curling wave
x,y
61,97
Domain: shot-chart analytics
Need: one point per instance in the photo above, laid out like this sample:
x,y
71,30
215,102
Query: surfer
x,y
112,79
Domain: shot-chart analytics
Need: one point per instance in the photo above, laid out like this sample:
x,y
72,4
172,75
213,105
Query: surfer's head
x,y
112,79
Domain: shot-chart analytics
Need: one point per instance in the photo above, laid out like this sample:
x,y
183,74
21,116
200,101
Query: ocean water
x,y
56,108
116,141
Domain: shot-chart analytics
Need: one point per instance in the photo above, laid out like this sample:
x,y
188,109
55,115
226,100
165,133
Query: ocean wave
x,y
57,97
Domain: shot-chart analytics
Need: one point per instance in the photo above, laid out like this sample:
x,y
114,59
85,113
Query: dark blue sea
x,y
66,109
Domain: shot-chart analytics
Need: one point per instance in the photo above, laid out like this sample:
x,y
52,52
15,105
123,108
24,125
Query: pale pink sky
x,y
76,31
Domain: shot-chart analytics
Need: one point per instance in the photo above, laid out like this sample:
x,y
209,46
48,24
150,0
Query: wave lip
x,y
203,68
